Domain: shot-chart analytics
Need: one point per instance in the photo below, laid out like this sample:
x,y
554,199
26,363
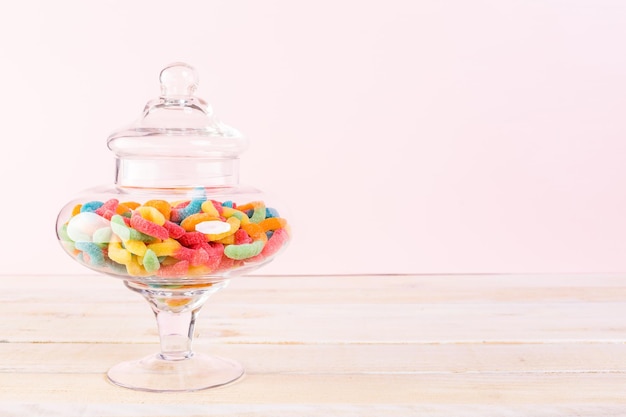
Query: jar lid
x,y
177,124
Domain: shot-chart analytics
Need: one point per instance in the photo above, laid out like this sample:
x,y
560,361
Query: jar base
x,y
155,374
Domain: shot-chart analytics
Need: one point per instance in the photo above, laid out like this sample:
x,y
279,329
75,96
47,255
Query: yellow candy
x,y
234,226
190,222
208,207
130,205
165,248
151,214
230,212
228,240
255,231
136,247
136,270
167,261
76,209
272,223
163,206
199,270
251,205
118,254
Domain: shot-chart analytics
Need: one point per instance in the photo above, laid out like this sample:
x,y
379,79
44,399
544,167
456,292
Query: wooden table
x,y
423,345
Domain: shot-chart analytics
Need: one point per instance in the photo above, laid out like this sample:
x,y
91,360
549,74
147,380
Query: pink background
x,y
405,136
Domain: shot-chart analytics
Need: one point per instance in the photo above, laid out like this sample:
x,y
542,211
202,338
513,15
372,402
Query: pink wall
x,y
430,136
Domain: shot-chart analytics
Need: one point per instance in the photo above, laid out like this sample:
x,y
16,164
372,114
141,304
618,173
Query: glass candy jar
x,y
175,227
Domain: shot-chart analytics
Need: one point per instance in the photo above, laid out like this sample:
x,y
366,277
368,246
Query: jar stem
x,y
176,333
176,311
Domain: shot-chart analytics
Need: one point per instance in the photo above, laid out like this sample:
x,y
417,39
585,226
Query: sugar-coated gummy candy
x,y
213,227
193,207
272,223
150,261
189,223
96,256
165,248
102,235
174,230
275,242
119,254
246,250
91,206
177,239
148,227
234,225
209,208
151,214
192,239
163,206
271,212
136,247
82,226
258,215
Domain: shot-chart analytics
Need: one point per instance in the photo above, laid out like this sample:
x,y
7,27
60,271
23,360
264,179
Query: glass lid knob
x,y
178,80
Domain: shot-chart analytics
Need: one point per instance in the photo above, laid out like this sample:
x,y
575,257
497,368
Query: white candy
x,y
81,227
212,227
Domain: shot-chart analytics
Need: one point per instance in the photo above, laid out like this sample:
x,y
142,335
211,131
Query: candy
x,y
151,214
91,206
163,206
148,227
275,243
190,222
272,223
192,239
174,230
96,256
135,269
185,238
194,206
229,212
102,235
136,247
179,269
246,250
241,236
271,212
234,225
150,261
82,226
108,209
118,225
165,248
119,254
210,208
213,227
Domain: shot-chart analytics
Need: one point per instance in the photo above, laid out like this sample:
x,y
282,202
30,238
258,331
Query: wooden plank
x,y
420,289
364,345
572,389
317,323
145,409
351,359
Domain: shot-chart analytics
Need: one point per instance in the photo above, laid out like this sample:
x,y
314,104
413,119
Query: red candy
x,y
192,239
147,227
179,269
175,231
241,236
195,257
275,242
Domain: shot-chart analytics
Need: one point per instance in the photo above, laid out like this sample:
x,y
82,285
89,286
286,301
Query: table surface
x,y
367,345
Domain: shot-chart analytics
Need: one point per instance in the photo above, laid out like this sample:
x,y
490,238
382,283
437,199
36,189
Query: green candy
x,y
245,250
151,261
259,214
126,233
